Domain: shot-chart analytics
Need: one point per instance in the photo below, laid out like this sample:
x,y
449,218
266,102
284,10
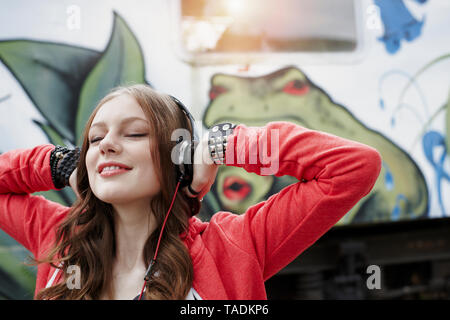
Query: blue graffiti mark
x,y
395,214
392,122
381,103
388,177
409,108
389,184
398,23
412,80
430,141
2,99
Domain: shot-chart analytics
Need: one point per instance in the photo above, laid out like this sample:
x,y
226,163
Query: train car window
x,y
270,26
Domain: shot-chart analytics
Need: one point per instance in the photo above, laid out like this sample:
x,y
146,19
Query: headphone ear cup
x,y
189,163
185,168
185,157
188,169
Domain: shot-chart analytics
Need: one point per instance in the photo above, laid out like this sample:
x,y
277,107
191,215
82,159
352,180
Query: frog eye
x,y
296,87
216,91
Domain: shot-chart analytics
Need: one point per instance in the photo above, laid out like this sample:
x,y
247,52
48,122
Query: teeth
x,y
110,168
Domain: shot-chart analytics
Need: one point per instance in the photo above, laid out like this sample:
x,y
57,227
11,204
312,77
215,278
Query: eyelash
x,y
130,135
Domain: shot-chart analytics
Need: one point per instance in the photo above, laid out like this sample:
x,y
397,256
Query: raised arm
x,y
333,173
28,219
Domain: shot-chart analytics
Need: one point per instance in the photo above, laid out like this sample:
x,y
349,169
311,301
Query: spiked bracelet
x,y
63,162
218,139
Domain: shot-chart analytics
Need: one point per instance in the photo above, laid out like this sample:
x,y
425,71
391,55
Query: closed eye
x,y
95,140
138,135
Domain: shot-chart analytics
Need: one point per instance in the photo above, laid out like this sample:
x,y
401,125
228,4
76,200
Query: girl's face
x,y
118,161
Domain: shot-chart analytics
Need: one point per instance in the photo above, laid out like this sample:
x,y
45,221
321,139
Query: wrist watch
x,y
218,140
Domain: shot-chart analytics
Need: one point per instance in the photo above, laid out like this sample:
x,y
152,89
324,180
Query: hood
x,y
196,227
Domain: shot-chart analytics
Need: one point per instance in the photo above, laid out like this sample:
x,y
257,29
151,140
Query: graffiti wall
x,y
388,87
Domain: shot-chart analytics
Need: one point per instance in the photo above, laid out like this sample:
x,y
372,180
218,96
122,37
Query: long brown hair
x,y
86,237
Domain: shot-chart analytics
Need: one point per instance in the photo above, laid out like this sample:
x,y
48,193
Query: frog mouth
x,y
236,188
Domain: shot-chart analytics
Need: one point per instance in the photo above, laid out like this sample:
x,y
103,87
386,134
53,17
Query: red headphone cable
x,y
147,273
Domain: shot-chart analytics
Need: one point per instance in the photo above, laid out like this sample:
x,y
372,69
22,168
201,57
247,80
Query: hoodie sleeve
x,y
28,219
333,173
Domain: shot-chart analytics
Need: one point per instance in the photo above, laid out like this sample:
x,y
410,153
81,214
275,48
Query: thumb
x,y
73,182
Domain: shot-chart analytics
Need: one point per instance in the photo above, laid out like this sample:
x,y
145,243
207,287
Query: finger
x,y
189,194
186,191
205,190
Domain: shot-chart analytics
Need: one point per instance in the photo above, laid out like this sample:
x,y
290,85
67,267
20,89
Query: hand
x,y
73,182
205,170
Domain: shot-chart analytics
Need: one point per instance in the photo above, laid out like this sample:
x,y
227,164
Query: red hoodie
x,y
232,255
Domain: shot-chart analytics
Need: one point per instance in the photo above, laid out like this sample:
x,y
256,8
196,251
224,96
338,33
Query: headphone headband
x,y
185,168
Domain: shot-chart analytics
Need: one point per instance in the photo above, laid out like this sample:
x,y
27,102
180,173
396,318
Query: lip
x,y
235,188
114,172
123,168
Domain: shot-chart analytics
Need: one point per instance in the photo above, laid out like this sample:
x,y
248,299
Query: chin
x,y
120,197
113,199
112,196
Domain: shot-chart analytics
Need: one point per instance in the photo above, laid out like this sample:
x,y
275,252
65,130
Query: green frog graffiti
x,y
288,95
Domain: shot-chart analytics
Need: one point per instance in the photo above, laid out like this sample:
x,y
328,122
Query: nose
x,y
109,145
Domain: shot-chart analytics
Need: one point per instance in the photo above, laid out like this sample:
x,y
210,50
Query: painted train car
x,y
374,71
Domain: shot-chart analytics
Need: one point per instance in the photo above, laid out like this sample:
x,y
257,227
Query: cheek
x,y
148,171
144,160
90,164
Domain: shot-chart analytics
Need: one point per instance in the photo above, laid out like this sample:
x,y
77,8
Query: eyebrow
x,y
124,121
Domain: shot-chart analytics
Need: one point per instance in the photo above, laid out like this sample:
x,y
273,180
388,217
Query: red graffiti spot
x,y
296,87
216,91
236,188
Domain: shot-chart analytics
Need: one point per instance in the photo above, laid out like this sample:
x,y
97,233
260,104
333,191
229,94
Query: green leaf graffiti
x,y
65,83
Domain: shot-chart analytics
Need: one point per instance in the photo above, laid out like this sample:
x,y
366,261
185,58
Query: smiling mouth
x,y
114,172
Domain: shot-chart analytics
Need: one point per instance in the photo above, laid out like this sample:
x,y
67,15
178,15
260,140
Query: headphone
x,y
184,155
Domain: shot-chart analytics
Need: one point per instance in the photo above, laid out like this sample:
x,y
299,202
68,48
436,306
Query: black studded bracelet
x,y
218,140
63,162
